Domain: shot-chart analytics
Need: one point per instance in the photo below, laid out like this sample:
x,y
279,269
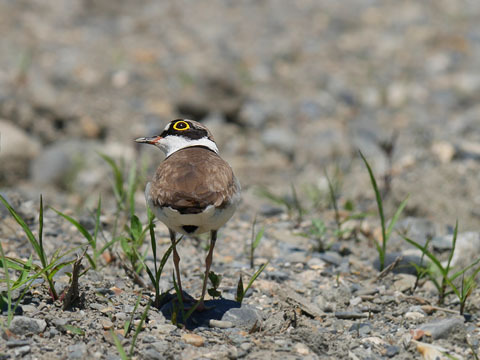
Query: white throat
x,y
173,143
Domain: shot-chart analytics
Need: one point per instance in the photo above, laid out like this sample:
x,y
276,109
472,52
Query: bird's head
x,y
179,134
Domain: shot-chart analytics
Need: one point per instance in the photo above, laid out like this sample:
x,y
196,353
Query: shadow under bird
x,y
194,190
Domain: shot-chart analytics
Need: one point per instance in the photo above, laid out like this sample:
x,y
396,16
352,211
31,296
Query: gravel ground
x,y
290,90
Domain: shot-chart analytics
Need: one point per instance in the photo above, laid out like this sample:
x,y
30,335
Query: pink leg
x,y
208,263
176,260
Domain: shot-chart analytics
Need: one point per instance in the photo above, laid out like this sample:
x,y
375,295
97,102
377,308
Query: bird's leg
x,y
208,263
176,260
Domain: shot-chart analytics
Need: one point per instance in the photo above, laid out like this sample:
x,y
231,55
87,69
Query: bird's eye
x,y
181,126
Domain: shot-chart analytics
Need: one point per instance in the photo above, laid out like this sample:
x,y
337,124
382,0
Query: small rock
x,y
404,266
16,143
193,339
245,316
302,349
361,329
22,351
331,257
443,328
355,301
107,324
17,343
220,324
77,351
23,325
467,248
350,315
392,350
431,352
405,282
152,354
444,151
279,138
413,315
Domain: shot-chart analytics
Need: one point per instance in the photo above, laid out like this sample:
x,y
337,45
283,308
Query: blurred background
x,y
289,89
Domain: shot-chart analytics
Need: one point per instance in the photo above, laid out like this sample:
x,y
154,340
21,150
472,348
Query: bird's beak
x,y
149,140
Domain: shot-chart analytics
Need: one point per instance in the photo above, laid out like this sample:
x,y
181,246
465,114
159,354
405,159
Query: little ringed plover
x,y
194,190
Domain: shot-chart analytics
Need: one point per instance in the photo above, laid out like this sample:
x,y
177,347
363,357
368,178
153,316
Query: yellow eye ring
x,y
181,126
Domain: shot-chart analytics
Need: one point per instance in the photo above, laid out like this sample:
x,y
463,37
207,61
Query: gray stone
x,y
392,350
444,328
467,249
254,114
419,229
279,138
77,351
404,266
152,354
23,325
220,324
56,162
15,143
331,257
245,317
350,315
22,351
17,343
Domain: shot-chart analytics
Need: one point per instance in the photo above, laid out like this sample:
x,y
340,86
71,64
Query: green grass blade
x,y
119,346
139,327
118,178
255,276
79,227
454,244
377,197
425,251
258,238
97,222
9,290
128,324
460,272
40,232
31,238
395,218
240,293
132,186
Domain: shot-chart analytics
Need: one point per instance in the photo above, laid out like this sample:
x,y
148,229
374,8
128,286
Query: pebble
x,y
392,350
245,316
280,139
77,351
220,324
107,324
444,151
350,315
152,354
361,328
414,315
16,143
404,266
301,349
23,325
193,339
17,343
443,328
22,351
405,282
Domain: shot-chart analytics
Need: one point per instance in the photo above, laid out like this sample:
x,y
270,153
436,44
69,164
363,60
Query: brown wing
x,y
192,179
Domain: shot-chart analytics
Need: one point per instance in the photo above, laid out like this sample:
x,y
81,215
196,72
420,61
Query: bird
x,y
193,191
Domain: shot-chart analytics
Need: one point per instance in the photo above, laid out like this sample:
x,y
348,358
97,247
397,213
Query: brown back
x,y
191,179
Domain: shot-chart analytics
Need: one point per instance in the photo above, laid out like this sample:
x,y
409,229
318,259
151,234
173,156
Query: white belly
x,y
210,219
